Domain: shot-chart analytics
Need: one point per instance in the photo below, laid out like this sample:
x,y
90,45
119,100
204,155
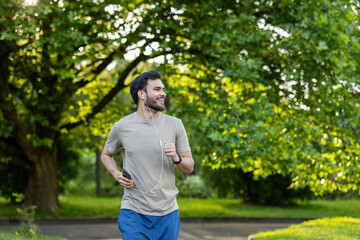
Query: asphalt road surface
x,y
106,229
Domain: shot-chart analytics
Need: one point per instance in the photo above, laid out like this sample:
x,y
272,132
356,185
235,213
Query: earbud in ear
x,y
142,95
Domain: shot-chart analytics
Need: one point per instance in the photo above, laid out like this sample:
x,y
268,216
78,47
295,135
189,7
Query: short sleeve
x,y
182,142
113,143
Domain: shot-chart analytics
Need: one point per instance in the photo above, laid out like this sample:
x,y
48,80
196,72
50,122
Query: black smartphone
x,y
126,174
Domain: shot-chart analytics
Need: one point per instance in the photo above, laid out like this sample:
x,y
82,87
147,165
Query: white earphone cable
x,y
162,156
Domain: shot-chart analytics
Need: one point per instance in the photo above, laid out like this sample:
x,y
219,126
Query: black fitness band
x,y
179,158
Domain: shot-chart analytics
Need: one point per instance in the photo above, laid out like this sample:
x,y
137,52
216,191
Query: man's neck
x,y
147,113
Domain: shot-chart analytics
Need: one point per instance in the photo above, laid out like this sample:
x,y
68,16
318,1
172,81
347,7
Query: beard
x,y
151,103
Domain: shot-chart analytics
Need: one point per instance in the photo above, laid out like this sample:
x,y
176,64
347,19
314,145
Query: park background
x,y
268,92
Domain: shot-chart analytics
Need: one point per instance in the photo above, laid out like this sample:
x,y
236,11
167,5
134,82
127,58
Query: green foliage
x,y
13,179
27,229
340,228
194,187
273,190
26,215
342,195
68,162
277,92
39,142
83,184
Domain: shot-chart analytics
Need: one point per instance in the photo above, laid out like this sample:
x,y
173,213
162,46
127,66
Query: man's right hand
x,y
126,183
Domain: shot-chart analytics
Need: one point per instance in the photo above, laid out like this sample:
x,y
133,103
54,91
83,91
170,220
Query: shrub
x,y
193,187
273,190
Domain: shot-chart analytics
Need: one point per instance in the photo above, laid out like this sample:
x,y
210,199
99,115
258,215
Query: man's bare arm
x,y
187,164
107,158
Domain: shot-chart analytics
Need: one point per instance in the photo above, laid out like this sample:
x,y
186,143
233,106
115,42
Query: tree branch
x,y
19,131
107,98
9,112
17,157
112,93
107,61
98,70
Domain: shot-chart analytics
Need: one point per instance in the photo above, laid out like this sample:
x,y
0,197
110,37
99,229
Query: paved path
x,y
106,229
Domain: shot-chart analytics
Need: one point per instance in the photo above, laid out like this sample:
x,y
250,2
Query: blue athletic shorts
x,y
135,226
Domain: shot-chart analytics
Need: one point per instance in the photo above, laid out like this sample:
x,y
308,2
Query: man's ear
x,y
141,94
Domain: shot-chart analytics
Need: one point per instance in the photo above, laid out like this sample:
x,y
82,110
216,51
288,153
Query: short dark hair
x,y
140,83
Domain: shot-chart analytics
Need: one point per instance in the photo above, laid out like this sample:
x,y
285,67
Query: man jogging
x,y
152,143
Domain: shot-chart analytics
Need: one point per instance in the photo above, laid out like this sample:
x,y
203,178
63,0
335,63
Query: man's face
x,y
155,95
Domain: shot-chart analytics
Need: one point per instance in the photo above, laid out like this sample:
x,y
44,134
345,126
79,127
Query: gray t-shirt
x,y
142,141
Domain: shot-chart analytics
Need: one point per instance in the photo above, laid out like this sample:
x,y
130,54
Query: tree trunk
x,y
97,172
43,186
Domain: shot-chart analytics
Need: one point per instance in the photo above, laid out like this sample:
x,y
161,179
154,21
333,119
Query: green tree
x,y
50,54
279,91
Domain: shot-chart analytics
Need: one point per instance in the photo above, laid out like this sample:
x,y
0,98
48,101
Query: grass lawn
x,y
340,228
234,208
77,207
26,232
13,236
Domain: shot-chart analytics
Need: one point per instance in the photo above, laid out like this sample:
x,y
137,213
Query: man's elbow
x,y
190,169
102,157
105,155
